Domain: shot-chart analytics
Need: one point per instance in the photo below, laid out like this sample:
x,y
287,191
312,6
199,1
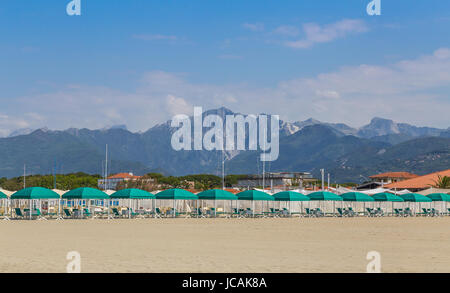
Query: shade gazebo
x,y
4,200
357,197
254,195
440,197
85,194
218,194
33,195
291,196
176,194
325,196
387,197
133,194
415,198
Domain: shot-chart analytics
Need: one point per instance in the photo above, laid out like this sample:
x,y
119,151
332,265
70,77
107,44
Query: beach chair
x,y
68,213
407,212
435,213
398,213
116,213
426,212
19,214
379,212
158,213
340,213
87,213
318,212
37,213
310,213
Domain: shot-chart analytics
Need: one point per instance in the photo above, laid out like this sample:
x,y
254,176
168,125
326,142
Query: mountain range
x,y
347,153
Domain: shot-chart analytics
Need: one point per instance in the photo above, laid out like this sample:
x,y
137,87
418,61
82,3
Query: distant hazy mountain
x,y
380,127
308,145
22,131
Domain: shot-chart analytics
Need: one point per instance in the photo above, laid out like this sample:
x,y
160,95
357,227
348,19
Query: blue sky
x,y
138,62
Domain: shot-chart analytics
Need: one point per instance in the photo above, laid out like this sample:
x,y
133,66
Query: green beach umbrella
x,y
439,197
85,193
385,196
414,197
176,194
324,195
216,194
290,196
254,195
2,195
132,193
356,196
31,193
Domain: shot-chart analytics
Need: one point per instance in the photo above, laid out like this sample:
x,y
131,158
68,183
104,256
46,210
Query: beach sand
x,y
227,245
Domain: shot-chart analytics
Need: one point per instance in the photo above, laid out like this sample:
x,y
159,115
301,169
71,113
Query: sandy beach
x,y
227,245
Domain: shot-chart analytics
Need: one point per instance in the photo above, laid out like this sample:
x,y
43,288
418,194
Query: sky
x,y
140,62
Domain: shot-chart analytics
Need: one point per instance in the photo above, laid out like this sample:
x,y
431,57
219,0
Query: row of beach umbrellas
x,y
33,193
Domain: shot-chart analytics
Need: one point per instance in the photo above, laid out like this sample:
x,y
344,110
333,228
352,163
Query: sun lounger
x,y
116,213
68,213
19,213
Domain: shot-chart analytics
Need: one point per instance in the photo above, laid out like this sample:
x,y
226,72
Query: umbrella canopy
x,y
324,195
35,193
356,196
290,196
132,193
439,197
386,196
414,197
178,194
254,195
216,194
2,195
85,193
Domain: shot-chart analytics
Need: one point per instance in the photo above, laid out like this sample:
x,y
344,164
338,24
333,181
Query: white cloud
x,y
413,91
287,30
315,33
254,27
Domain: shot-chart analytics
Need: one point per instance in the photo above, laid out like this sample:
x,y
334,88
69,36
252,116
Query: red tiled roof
x,y
403,175
421,182
124,176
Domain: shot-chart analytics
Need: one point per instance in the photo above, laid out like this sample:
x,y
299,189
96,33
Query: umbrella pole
x,y
129,209
215,209
174,209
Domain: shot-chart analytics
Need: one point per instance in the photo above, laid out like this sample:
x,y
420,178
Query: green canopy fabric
x,y
439,197
386,196
132,193
2,195
177,194
85,193
324,195
356,196
290,196
254,195
35,193
216,194
414,197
